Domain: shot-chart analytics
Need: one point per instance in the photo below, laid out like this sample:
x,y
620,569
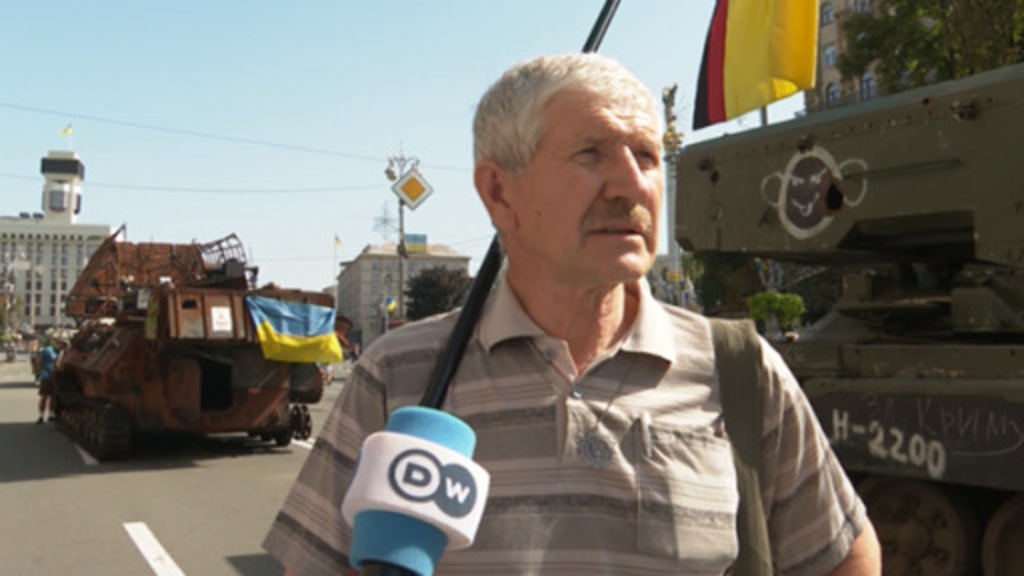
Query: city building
x,y
368,287
42,253
830,90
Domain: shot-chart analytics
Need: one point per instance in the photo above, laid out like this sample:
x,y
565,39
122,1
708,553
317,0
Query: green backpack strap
x,y
738,359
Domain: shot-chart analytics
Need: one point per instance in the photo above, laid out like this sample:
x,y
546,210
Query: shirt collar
x,y
504,319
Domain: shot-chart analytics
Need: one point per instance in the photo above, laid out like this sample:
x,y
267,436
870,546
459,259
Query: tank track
x,y
102,428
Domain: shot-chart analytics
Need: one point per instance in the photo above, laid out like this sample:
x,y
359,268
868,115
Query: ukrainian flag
x,y
294,331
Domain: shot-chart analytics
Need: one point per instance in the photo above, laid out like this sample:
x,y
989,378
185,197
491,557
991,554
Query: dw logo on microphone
x,y
418,476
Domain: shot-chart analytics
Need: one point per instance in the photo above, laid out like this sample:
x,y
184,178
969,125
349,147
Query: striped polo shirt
x,y
623,469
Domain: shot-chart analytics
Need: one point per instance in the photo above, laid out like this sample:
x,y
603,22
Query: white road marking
x,y
158,558
304,443
86,457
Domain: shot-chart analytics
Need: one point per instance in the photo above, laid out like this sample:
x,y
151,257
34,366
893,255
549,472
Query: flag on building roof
x,y
337,241
67,131
756,52
416,243
294,331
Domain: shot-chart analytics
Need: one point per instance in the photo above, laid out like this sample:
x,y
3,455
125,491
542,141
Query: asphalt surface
x,y
197,507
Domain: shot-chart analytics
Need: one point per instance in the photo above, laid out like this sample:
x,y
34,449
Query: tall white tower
x,y
62,191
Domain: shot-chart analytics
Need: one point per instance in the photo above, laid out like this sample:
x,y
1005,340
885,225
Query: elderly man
x,y
596,407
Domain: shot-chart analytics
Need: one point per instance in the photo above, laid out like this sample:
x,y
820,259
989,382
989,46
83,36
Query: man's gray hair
x,y
507,125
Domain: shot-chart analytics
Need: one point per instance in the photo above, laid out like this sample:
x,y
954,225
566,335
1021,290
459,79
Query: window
x,y
832,93
827,13
862,6
829,57
59,195
867,86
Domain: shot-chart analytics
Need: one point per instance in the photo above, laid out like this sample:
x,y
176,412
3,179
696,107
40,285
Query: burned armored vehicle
x,y
166,343
917,373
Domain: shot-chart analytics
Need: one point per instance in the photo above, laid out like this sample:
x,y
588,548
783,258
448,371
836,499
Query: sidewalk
x,y
19,370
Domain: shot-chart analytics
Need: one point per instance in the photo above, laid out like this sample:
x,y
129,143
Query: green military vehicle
x,y
917,373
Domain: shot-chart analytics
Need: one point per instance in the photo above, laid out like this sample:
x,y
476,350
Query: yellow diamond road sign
x,y
412,188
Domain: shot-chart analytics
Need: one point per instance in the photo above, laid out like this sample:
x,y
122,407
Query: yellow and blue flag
x,y
294,331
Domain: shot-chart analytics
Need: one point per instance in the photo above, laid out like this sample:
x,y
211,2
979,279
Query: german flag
x,y
756,52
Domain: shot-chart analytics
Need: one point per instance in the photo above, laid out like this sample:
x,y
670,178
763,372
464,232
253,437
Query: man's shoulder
x,y
428,334
683,315
403,359
688,328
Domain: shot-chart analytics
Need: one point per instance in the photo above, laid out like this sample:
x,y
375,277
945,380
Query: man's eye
x,y
647,158
587,155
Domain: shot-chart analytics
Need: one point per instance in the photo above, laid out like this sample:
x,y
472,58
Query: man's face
x,y
586,208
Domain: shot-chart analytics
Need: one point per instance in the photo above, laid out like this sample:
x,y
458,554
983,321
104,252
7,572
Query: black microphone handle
x,y
448,363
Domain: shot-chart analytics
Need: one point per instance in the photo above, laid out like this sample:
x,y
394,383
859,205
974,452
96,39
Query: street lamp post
x,y
403,165
412,189
672,141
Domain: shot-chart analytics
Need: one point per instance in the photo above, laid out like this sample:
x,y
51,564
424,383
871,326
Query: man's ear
x,y
493,185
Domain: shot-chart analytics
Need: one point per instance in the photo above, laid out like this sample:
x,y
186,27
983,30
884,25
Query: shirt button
x,y
576,392
549,354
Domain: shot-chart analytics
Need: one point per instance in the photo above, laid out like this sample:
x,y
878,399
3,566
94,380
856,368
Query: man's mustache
x,y
620,210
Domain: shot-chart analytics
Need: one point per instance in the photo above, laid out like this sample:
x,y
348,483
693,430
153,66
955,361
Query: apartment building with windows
x,y
831,91
370,282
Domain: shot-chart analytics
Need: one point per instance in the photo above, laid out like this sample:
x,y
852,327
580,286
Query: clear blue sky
x,y
274,120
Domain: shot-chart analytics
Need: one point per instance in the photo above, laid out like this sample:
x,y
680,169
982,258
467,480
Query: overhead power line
x,y
193,189
212,136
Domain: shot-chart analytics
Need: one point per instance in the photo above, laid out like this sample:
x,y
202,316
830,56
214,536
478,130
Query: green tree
x,y
920,42
435,290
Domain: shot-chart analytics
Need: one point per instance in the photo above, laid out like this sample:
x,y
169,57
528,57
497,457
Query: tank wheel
x,y
301,422
283,437
1001,551
923,529
112,434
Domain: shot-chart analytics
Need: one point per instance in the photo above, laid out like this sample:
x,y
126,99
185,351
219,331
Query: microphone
x,y
415,492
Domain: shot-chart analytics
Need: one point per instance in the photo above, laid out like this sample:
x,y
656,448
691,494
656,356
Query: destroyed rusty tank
x,y
917,373
165,344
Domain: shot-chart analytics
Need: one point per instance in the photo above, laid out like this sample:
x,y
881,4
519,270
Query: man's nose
x,y
629,177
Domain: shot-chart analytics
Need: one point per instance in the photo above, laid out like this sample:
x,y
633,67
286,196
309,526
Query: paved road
x,y
197,508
